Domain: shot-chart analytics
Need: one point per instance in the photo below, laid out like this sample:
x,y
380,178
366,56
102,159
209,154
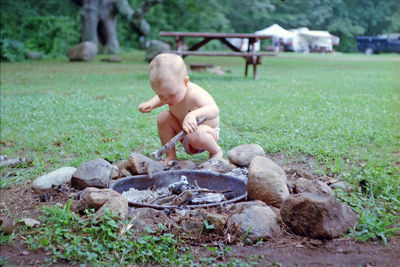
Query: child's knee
x,y
164,117
202,136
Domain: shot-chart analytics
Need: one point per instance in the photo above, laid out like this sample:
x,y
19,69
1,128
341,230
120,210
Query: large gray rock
x,y
265,183
268,163
84,51
243,154
140,164
156,47
94,173
255,222
316,216
57,177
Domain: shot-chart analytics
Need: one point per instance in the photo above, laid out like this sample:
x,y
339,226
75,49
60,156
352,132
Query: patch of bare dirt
x,y
19,202
290,250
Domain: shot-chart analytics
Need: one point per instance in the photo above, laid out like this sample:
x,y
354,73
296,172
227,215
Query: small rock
x,y
14,162
30,222
112,59
192,227
84,51
216,70
315,187
218,220
317,216
25,252
184,165
192,222
217,165
34,55
342,185
57,177
122,165
243,154
94,173
148,217
115,172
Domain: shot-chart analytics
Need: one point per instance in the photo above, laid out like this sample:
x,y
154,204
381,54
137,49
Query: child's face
x,y
170,92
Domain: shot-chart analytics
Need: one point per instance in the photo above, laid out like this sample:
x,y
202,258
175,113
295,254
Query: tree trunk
x,y
90,20
99,21
99,24
108,16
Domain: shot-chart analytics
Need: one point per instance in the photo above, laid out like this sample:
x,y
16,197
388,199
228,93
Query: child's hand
x,y
189,124
145,107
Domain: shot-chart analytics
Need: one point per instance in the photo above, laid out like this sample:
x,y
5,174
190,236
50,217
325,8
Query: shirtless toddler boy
x,y
187,102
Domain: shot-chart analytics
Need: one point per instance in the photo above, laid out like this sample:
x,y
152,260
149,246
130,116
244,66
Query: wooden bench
x,y
252,58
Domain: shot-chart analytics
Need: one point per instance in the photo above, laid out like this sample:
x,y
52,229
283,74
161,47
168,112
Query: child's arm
x,y
207,108
210,111
148,106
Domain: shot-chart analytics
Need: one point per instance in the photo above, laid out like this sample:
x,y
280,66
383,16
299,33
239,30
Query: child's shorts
x,y
191,150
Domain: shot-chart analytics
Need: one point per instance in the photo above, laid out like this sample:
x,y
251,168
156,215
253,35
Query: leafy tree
x,y
248,15
48,26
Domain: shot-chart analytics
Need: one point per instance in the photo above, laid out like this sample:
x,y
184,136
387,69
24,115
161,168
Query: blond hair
x,y
167,66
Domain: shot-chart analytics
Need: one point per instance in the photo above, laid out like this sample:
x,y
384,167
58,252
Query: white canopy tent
x,y
297,40
305,40
301,39
277,32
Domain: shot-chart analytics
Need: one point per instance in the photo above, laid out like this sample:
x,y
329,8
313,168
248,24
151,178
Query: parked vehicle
x,y
384,43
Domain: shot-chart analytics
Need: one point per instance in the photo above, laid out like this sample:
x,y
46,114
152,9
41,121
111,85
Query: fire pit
x,y
233,189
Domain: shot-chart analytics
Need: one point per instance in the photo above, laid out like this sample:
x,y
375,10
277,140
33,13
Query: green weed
x,y
99,241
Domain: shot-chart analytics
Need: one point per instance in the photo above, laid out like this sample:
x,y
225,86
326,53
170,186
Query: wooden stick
x,y
158,154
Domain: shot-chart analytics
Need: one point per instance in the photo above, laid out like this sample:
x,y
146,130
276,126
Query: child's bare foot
x,y
217,155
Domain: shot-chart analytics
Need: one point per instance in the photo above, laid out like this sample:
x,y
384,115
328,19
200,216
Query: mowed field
x,y
342,110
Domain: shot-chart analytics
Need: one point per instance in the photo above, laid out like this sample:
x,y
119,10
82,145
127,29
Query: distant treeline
x,y
52,26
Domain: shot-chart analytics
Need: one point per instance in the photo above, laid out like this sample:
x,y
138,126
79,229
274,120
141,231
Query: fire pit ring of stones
x,y
204,179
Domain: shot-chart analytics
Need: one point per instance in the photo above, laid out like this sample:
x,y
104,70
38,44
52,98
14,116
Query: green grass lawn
x,y
343,110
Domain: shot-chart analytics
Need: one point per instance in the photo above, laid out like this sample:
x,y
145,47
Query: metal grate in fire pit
x,y
204,179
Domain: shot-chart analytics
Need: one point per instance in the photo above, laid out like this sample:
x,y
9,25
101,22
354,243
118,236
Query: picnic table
x,y
251,56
